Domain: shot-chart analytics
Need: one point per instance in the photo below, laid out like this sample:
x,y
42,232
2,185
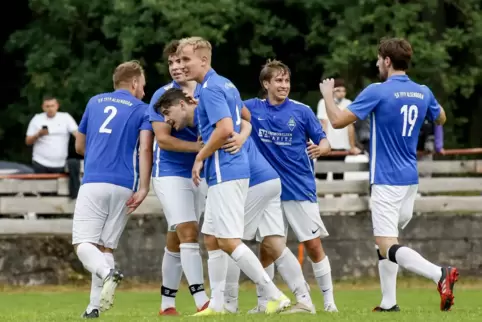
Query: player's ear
x,y
265,84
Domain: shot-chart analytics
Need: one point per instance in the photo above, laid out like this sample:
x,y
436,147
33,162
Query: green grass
x,y
420,302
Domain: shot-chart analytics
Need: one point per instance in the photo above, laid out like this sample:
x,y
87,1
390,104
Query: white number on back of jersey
x,y
113,111
410,115
238,117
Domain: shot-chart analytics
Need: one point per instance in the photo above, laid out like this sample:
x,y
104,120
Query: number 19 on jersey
x,y
410,114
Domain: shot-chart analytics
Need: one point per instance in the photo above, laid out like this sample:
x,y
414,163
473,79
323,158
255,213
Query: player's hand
x,y
314,151
196,171
354,151
327,86
191,98
234,143
136,199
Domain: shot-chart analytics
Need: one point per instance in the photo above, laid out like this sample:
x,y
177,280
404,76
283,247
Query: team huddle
x,y
247,165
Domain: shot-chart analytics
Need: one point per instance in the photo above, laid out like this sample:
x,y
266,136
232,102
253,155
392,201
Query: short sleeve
x,y
313,127
32,127
153,115
365,102
433,109
250,104
215,104
321,110
71,124
84,121
145,123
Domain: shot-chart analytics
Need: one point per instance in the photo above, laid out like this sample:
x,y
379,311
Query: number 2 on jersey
x,y
410,115
113,111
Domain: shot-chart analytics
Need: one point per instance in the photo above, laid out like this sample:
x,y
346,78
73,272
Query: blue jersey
x,y
260,170
171,163
219,99
281,133
111,124
397,110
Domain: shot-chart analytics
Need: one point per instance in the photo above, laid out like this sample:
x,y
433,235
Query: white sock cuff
x,y
322,267
239,251
194,246
173,254
212,254
283,254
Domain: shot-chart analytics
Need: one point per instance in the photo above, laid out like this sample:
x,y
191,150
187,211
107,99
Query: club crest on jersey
x,y
291,124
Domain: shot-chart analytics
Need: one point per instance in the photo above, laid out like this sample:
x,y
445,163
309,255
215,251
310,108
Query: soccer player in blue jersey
x,y
397,108
263,217
182,201
281,127
115,138
227,176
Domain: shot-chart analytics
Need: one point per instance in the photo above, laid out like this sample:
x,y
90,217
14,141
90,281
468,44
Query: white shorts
x,y
224,215
100,214
304,218
181,200
392,208
262,212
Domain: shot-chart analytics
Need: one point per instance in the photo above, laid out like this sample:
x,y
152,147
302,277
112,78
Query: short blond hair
x,y
197,43
126,71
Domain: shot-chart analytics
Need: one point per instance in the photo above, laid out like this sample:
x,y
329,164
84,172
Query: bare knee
x,y
228,245
314,249
271,249
210,242
188,232
172,242
384,244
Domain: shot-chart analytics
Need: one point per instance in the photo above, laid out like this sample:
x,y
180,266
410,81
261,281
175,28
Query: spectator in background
x,y
49,133
340,139
430,140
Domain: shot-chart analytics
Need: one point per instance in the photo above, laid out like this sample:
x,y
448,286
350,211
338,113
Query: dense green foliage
x,y
70,48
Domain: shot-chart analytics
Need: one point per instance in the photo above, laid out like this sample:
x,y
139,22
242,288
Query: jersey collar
x,y
285,102
400,78
210,73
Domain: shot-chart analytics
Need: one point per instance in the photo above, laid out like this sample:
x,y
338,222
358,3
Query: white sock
x,y
96,285
217,270
93,260
415,263
263,300
171,278
193,270
290,270
322,271
251,266
388,283
232,286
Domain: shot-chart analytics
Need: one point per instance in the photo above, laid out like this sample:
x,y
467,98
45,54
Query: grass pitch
x,y
418,300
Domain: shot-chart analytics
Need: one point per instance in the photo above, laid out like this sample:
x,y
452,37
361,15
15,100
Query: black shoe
x,y
92,315
394,308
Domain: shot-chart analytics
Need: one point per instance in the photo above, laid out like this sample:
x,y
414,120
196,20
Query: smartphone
x,y
45,127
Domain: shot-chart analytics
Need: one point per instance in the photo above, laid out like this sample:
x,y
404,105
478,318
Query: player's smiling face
x,y
279,86
177,115
175,69
191,62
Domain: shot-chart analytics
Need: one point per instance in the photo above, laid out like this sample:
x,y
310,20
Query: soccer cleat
x,y
300,308
92,315
170,311
257,310
278,305
205,306
108,290
394,308
445,287
331,307
208,312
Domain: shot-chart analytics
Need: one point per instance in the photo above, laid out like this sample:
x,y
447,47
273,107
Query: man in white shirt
x,y
340,139
49,133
